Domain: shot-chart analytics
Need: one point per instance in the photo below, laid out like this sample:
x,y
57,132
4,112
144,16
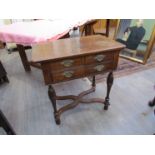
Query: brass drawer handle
x,y
99,68
99,58
67,63
68,74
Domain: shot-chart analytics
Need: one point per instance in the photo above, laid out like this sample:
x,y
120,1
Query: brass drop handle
x,y
99,68
68,74
99,58
67,63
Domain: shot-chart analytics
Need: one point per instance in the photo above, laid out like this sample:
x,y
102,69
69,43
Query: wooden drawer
x,y
98,68
65,75
99,58
66,63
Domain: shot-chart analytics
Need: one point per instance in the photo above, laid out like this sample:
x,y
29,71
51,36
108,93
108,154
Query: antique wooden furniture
x,y
74,58
5,124
3,74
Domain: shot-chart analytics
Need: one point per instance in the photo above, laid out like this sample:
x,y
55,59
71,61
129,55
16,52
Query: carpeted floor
x,y
127,67
25,103
29,110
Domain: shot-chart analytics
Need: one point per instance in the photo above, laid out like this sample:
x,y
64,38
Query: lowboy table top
x,y
73,47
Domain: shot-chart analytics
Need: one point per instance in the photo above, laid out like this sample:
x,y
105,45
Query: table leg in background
x,y
23,57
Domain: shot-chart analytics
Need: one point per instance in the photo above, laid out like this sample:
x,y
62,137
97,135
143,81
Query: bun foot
x,y
106,107
57,121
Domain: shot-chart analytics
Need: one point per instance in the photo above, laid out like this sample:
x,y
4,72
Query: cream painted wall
x,y
6,21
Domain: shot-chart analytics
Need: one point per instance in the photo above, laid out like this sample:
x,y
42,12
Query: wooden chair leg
x,y
23,57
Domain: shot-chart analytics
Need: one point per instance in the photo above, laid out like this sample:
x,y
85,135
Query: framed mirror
x,y
138,35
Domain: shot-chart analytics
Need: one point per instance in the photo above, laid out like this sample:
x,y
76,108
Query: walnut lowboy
x,y
74,58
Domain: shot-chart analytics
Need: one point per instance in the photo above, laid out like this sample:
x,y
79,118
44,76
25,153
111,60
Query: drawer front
x,y
98,68
69,74
66,63
99,58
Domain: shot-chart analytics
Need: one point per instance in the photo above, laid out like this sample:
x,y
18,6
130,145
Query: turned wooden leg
x,y
52,96
23,57
109,85
152,103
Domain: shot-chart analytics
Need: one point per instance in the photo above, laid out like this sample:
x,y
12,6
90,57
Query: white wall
x,y
1,22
